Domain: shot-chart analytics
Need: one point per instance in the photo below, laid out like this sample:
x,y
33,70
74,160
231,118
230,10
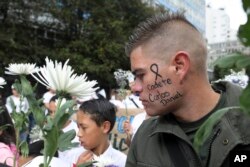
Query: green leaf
x,y
206,128
51,141
64,142
20,120
229,61
24,148
26,87
244,98
244,30
63,113
36,109
243,62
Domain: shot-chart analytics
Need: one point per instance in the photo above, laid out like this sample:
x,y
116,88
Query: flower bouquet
x,y
61,78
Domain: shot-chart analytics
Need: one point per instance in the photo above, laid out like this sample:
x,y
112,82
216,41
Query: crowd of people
x,y
92,123
168,58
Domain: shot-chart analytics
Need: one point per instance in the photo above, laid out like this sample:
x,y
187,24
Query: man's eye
x,y
139,76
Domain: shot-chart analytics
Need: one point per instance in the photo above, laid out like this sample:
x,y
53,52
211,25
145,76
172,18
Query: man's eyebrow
x,y
134,72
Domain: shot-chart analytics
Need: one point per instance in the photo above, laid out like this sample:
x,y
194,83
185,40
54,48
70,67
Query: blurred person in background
x,y
8,150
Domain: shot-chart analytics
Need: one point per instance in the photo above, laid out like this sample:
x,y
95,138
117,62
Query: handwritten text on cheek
x,y
163,96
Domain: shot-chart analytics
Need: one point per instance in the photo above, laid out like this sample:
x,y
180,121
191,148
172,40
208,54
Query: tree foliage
x,y
90,33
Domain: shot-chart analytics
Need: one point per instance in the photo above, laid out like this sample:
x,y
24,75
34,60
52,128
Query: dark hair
x,y
148,28
36,148
8,135
53,98
101,110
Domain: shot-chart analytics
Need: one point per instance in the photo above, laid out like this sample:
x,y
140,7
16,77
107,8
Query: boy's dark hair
x,y
53,98
101,110
9,134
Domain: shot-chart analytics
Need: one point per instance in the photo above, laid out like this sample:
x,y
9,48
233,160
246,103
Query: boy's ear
x,y
106,126
181,61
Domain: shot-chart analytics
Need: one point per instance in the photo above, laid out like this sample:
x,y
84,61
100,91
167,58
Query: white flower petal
x,y
17,69
2,82
61,77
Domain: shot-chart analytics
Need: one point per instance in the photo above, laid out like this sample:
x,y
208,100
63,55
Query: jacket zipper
x,y
211,140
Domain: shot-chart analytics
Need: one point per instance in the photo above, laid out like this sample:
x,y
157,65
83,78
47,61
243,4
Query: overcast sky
x,y
233,8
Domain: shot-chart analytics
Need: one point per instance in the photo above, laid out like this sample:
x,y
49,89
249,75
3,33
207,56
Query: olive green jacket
x,y
153,143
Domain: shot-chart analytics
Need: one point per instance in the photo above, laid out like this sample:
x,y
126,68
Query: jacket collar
x,y
167,124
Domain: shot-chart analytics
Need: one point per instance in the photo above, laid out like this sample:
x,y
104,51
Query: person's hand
x,y
86,156
127,128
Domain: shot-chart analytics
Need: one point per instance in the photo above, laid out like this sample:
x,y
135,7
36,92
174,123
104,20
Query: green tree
x,y
91,33
241,61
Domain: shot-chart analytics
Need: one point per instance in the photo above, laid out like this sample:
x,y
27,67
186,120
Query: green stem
x,y
17,146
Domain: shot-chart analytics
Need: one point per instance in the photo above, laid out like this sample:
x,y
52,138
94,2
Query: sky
x,y
233,8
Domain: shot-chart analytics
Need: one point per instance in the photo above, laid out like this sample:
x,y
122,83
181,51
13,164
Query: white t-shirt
x,y
117,103
116,157
21,105
137,121
111,155
55,162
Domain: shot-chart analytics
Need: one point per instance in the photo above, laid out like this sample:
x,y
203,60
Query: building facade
x,y
194,10
218,26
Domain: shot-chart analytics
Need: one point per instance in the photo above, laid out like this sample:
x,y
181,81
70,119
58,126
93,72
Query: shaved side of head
x,y
164,35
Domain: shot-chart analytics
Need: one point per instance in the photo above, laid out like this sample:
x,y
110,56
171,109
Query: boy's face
x,y
90,135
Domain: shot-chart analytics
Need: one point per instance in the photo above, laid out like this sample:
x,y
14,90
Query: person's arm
x,y
129,132
8,105
6,155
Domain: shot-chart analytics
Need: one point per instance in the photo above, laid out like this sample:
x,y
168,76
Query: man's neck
x,y
198,104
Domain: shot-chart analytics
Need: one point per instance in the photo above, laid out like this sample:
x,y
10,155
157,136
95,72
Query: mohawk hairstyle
x,y
149,28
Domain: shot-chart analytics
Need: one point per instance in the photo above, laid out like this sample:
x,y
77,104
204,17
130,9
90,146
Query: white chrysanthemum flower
x,y
2,82
61,78
102,161
62,102
18,69
240,78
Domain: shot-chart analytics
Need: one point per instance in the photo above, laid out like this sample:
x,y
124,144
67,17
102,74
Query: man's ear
x,y
106,126
181,62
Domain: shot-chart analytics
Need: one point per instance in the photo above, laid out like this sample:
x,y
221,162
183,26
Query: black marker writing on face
x,y
164,97
154,69
156,85
171,99
158,96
